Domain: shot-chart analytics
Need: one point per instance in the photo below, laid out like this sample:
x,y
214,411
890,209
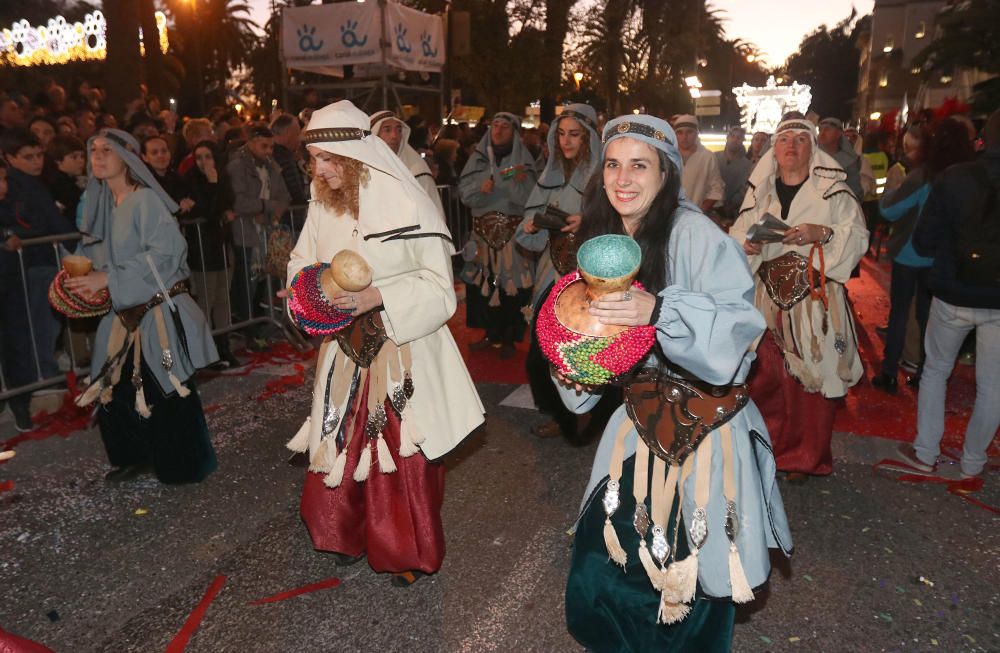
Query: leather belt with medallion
x,y
673,415
496,228
362,339
786,279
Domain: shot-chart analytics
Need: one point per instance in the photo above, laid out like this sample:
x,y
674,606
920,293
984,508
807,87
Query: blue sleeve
x,y
708,320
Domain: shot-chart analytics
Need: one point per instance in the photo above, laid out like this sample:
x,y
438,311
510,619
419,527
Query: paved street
x,y
89,567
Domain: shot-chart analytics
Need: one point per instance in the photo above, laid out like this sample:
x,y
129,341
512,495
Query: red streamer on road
x,y
305,589
283,384
962,488
180,641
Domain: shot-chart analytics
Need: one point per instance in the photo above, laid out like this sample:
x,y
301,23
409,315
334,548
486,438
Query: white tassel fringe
x,y
181,389
615,550
300,442
364,463
385,461
140,403
742,592
336,477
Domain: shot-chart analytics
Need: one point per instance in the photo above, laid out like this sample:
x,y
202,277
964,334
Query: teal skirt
x,y
610,610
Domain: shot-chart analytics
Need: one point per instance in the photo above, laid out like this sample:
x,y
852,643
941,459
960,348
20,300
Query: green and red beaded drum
x,y
75,305
576,343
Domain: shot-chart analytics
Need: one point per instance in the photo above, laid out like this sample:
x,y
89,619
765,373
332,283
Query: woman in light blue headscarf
x,y
552,218
149,346
667,543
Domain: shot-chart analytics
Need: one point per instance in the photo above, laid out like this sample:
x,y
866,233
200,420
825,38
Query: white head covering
x,y
392,205
380,117
553,175
99,203
825,173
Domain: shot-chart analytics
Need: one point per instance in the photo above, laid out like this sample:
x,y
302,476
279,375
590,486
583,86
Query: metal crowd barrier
x,y
456,215
275,312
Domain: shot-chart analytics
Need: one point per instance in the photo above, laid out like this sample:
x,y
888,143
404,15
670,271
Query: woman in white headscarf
x,y
809,356
669,540
392,394
149,346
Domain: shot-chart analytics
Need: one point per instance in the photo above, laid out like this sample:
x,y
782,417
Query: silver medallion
x,y
732,521
408,385
398,397
660,548
611,500
167,359
330,421
641,520
699,528
376,422
840,344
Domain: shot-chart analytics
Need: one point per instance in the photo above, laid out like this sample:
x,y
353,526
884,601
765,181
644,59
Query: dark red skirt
x,y
800,423
394,519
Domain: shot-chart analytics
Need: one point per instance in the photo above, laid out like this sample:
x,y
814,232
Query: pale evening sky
x,y
776,26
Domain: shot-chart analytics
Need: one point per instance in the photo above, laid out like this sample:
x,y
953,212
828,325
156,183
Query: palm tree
x,y
222,29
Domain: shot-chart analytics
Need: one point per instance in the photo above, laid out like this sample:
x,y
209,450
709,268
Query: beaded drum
x,y
313,287
581,348
310,306
73,304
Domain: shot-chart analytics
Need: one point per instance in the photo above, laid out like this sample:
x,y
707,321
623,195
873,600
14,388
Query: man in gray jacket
x,y
260,197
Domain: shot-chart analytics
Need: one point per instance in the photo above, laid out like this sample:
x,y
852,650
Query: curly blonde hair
x,y
345,198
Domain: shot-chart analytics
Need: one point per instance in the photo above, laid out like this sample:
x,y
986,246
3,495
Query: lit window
x,y
921,30
889,44
883,81
915,70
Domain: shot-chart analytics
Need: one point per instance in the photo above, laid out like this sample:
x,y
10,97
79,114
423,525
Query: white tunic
x,y
414,276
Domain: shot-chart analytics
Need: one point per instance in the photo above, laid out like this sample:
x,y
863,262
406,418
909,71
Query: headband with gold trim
x,y
639,128
334,135
796,125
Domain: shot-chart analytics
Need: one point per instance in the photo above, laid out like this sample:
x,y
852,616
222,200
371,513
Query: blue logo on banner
x,y
401,43
349,35
425,43
307,41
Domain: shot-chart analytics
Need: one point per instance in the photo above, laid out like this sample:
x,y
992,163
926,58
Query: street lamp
x,y
578,77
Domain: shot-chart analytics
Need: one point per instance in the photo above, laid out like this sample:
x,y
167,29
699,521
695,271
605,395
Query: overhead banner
x,y
416,39
327,37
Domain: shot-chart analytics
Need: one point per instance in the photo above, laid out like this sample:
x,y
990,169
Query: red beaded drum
x,y
576,343
75,305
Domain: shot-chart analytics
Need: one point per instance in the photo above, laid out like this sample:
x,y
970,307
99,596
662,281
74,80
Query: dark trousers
x,y
908,284
15,341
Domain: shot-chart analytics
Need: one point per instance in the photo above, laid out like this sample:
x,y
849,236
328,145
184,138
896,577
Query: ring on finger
x,y
627,296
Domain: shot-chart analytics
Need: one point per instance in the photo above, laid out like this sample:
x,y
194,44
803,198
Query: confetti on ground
x,y
808,578
934,641
885,617
866,529
918,602
794,639
972,640
313,587
180,641
899,588
887,550
766,640
6,486
139,512
926,581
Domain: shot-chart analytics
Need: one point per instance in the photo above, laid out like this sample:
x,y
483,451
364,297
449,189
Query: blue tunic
x,y
141,227
708,325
